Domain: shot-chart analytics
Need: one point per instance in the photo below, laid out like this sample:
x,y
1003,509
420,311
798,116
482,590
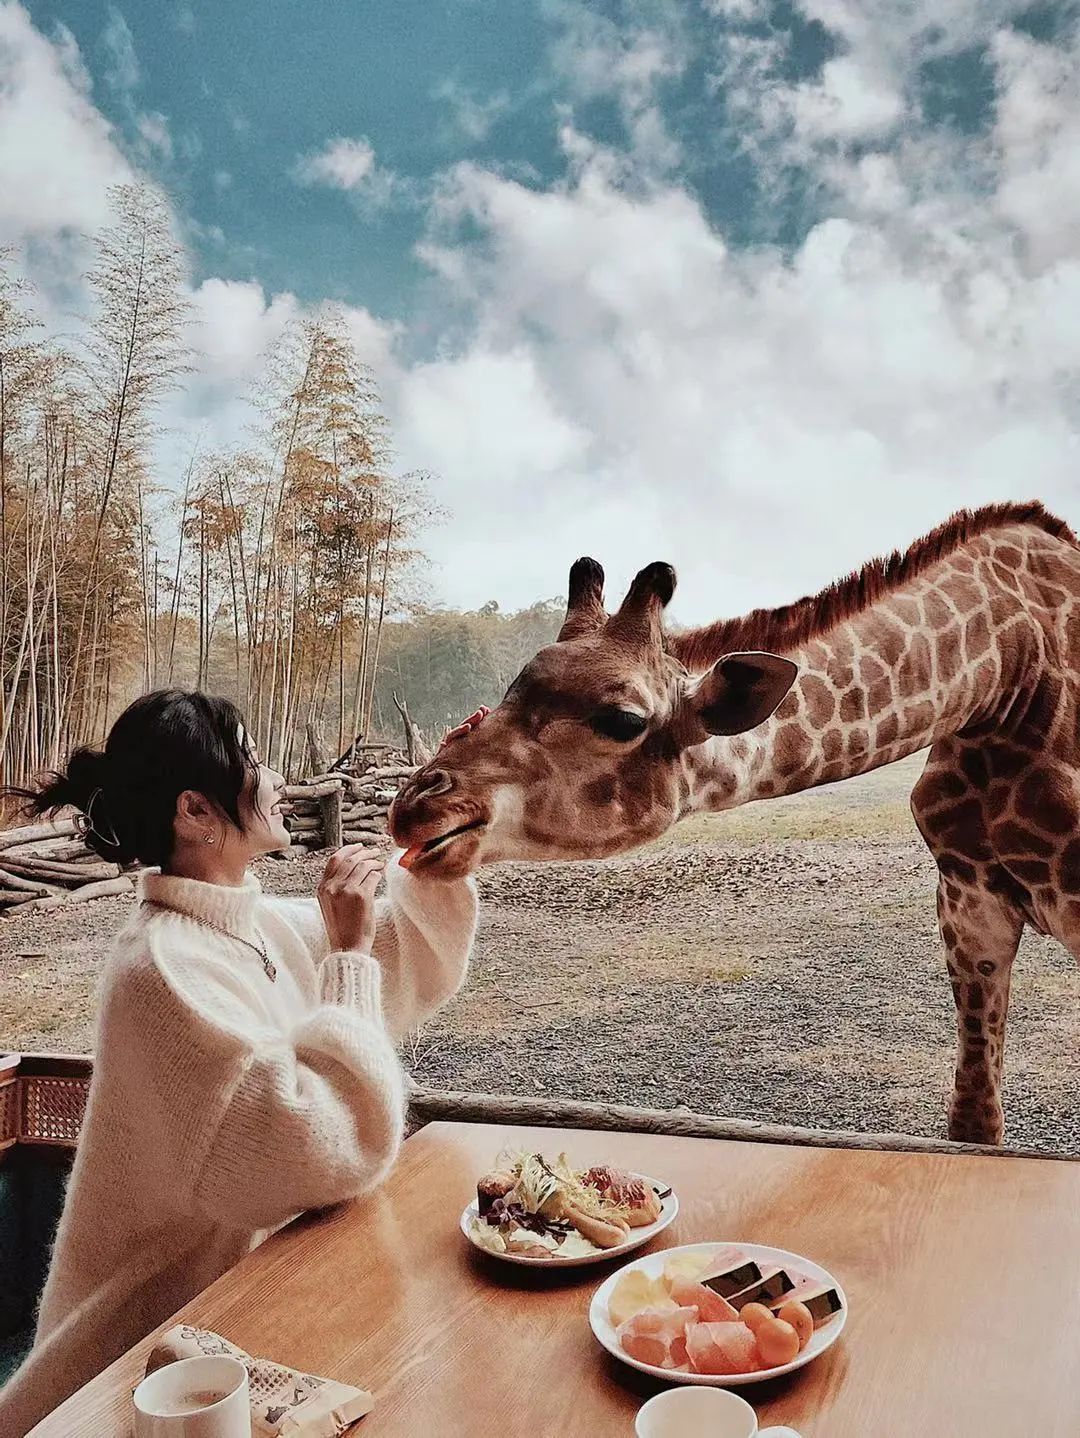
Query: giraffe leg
x,y
981,931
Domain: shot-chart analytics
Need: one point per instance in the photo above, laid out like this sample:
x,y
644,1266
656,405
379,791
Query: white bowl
x,y
652,1265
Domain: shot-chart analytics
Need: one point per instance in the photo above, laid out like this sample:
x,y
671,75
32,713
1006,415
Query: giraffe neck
x,y
883,685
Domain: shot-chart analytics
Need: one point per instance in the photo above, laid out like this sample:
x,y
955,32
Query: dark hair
x,y
163,743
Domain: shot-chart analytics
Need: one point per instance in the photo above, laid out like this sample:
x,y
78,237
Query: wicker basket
x,y
43,1099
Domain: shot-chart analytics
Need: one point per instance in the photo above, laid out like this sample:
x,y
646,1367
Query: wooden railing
x,y
43,1099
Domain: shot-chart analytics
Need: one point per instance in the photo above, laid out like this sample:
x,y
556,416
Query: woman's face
x,y
264,823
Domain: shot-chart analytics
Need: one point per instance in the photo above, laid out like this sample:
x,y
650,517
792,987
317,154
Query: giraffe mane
x,y
791,625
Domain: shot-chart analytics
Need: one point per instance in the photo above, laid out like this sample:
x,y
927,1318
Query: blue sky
x,y
245,97
758,287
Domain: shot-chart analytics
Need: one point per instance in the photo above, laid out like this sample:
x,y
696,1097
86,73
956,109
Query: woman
x,y
245,1063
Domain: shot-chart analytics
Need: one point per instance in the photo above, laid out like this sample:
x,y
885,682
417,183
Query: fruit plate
x,y
653,1264
638,1236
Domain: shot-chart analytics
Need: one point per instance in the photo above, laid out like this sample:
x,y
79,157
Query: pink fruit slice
x,y
657,1336
721,1348
710,1306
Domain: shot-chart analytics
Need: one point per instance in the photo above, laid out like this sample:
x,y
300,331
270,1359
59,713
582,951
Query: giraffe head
x,y
583,757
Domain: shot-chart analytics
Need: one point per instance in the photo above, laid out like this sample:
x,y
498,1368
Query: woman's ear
x,y
195,816
741,691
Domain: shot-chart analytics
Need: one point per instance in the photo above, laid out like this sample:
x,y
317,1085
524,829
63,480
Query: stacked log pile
x,y
347,807
45,866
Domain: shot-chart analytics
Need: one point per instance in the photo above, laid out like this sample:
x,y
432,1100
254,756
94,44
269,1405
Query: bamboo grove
x,y
269,573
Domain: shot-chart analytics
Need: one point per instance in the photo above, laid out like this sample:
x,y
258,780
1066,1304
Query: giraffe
x,y
966,644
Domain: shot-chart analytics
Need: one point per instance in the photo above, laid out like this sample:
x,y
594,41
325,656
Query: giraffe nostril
x,y
432,782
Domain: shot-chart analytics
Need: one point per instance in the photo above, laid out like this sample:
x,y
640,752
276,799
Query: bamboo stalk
x,y
379,626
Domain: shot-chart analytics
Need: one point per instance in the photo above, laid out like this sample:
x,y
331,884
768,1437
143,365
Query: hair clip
x,y
89,825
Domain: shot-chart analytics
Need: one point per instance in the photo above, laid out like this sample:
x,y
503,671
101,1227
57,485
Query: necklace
x,y
257,947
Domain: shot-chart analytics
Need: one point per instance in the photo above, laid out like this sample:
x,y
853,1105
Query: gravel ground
x,y
779,964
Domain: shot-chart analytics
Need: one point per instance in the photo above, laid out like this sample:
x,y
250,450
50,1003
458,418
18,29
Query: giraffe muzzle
x,y
418,855
441,840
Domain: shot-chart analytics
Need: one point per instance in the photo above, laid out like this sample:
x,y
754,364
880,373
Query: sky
x,y
757,287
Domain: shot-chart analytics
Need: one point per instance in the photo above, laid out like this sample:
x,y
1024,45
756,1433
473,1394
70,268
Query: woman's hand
x,y
347,897
466,728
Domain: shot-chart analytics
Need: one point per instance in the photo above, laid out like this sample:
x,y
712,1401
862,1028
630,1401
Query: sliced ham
x,y
710,1306
658,1336
722,1348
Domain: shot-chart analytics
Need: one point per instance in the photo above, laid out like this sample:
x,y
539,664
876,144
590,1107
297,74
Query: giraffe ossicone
x,y
966,644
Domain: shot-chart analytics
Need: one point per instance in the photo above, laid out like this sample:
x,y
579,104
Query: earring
x,y
208,838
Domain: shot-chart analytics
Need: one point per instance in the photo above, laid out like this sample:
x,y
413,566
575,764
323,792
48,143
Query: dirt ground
x,y
778,963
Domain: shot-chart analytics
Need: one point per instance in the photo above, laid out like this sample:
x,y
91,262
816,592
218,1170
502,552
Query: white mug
x,y
693,1412
173,1402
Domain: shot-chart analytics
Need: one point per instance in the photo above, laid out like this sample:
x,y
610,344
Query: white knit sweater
x,y
223,1104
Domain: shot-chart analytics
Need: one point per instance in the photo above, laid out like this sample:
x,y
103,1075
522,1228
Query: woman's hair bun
x,y
88,785
85,786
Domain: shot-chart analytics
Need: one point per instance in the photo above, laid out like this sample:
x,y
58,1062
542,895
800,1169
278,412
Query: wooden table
x,y
963,1276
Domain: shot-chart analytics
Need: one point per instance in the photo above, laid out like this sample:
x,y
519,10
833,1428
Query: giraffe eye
x,y
620,724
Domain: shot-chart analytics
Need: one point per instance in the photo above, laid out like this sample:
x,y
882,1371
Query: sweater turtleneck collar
x,y
220,904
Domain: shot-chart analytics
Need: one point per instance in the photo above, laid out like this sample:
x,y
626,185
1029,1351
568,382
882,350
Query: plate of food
x,y
534,1210
719,1314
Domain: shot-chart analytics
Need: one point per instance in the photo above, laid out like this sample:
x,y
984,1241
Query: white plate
x,y
638,1236
652,1265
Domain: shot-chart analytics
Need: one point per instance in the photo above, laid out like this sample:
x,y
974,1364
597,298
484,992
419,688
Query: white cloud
x,y
471,118
852,100
1038,138
763,422
629,60
343,164
153,131
122,65
864,94
58,154
233,325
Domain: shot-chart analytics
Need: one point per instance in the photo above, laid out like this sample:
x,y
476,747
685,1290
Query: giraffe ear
x,y
585,603
741,691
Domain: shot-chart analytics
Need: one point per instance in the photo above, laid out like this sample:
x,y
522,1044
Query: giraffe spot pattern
x,y
878,697
939,615
887,732
1040,801
832,745
792,749
1069,867
852,705
820,701
976,636
949,657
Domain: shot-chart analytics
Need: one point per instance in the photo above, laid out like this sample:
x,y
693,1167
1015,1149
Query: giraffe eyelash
x,y
622,725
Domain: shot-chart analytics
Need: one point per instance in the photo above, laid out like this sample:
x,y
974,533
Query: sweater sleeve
x,y
255,1125
424,932
423,939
